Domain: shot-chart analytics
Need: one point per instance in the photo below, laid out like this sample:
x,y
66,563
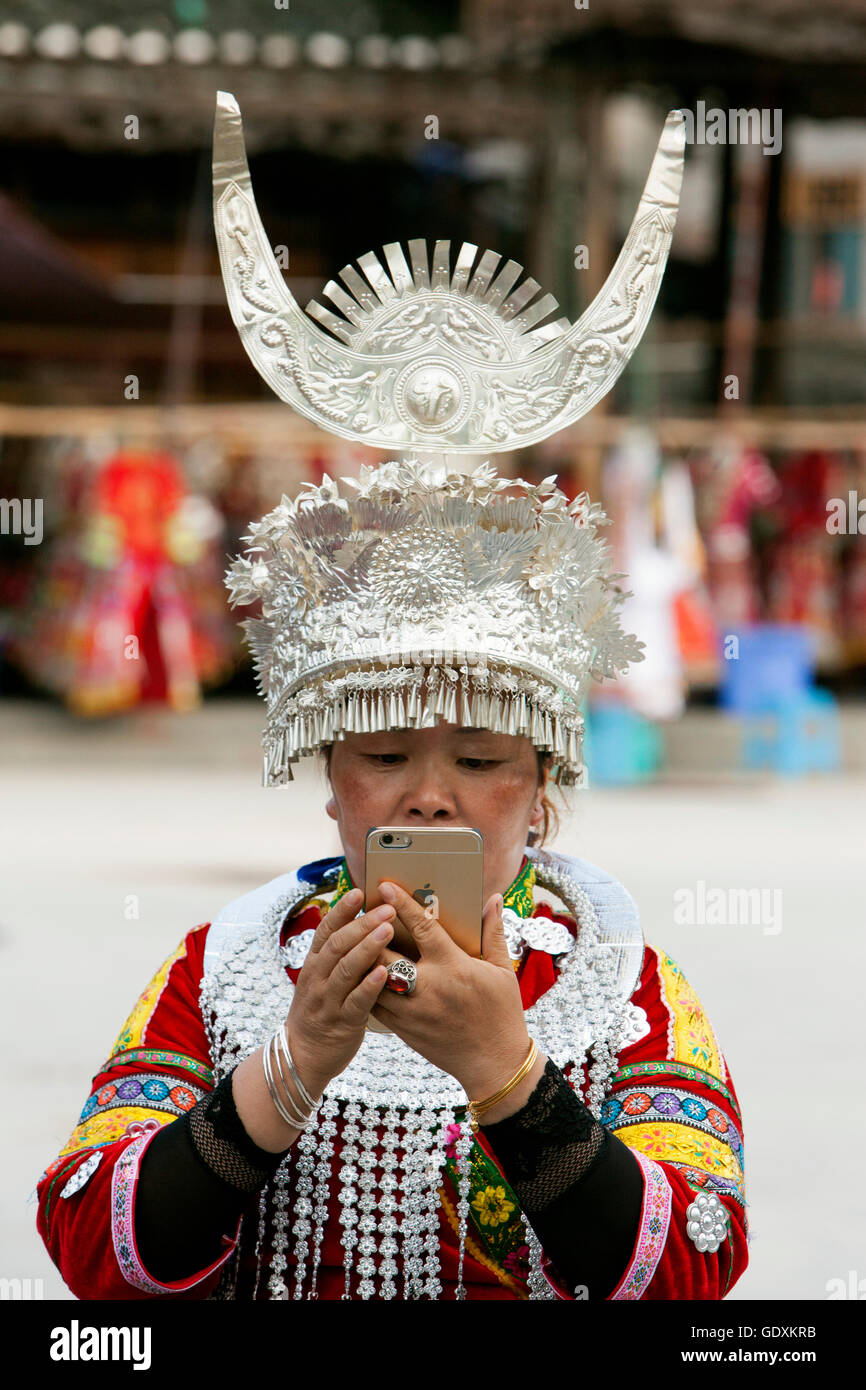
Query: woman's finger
x,y
389,955
360,1002
392,1019
339,914
347,937
353,964
493,944
427,932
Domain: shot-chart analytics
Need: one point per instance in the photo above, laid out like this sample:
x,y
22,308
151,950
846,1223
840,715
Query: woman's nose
x,y
430,799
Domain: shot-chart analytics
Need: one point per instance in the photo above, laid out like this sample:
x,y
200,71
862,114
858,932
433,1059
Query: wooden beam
x,y
259,424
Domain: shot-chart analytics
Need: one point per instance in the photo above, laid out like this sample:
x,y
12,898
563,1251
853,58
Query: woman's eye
x,y
389,760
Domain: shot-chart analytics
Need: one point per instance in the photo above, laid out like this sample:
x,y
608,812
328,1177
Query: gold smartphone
x,y
441,867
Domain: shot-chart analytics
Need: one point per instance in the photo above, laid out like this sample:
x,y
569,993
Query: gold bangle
x,y
477,1107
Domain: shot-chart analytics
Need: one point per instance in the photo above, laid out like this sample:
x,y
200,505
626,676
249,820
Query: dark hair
x,y
537,838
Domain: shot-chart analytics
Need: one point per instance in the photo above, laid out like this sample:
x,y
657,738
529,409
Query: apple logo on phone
x,y
427,898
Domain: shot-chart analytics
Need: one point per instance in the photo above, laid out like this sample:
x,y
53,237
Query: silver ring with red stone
x,y
402,977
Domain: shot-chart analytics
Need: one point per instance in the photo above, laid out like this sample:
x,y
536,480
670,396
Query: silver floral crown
x,y
431,593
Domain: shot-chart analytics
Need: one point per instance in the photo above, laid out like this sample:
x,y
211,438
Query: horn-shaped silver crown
x,y
423,357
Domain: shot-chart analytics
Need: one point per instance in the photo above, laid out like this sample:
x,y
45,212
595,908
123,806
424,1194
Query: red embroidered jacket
x,y
672,1102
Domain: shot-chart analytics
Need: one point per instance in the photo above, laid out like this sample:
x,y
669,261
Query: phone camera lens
x,y
387,839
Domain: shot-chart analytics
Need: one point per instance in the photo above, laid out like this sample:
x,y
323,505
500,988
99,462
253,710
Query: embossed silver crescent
x,y
424,357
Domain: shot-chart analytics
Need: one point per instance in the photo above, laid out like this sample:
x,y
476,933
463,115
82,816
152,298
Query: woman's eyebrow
x,y
490,735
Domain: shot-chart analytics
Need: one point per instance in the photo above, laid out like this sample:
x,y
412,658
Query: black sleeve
x,y
197,1177
580,1188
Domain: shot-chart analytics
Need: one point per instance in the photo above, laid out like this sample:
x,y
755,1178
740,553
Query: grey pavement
x,y
164,815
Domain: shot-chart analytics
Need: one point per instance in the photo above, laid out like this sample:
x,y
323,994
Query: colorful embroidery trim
x,y
678,1069
344,882
641,1104
493,1207
123,1184
676,1143
133,1031
154,1091
519,896
654,1222
690,1037
110,1126
158,1058
122,1213
515,1272
709,1182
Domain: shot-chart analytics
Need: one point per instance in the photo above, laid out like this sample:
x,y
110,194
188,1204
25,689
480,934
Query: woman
x,y
554,1119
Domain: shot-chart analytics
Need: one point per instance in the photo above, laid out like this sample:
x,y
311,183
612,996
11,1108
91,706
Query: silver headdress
x,y
432,593
429,594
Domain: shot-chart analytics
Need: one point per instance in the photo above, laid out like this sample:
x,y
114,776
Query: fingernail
x,y
354,896
387,891
382,933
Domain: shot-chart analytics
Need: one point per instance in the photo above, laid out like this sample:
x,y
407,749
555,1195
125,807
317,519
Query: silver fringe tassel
x,y
375,700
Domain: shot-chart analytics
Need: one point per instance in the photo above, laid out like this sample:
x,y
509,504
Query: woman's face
x,y
447,775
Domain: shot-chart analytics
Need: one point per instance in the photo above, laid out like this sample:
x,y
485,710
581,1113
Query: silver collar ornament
x,y
391,1108
424,593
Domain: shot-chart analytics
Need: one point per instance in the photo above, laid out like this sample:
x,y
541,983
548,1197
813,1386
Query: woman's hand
x,y
336,989
465,1015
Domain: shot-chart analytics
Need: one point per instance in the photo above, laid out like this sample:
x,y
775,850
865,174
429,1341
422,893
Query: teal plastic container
x,y
620,747
794,735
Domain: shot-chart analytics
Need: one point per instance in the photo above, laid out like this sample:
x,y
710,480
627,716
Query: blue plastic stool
x,y
794,735
775,662
620,747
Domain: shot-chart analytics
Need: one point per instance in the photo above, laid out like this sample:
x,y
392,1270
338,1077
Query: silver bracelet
x,y
288,1098
306,1098
281,1098
277,1103
290,1120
